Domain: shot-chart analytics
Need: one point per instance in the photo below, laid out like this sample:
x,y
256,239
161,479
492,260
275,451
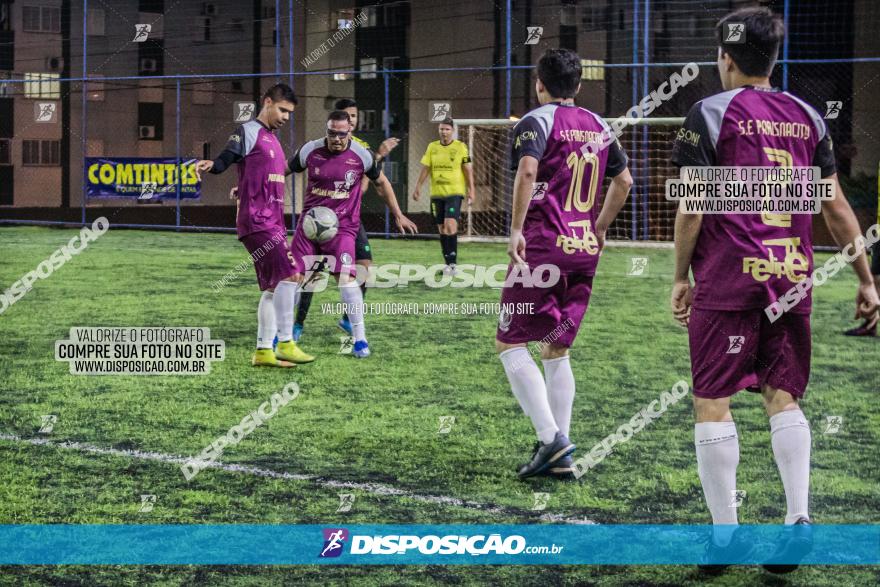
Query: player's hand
x,y
681,300
600,236
416,194
202,166
404,224
868,304
470,197
516,247
233,193
387,146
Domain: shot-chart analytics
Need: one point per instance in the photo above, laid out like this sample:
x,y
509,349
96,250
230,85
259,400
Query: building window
x,y
95,22
95,88
592,69
41,19
42,85
151,57
40,153
150,121
344,19
368,68
368,16
367,120
5,151
157,6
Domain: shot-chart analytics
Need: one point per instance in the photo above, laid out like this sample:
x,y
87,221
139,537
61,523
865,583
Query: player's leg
x,y
515,329
363,257
723,350
302,312
341,247
438,212
270,270
287,293
452,213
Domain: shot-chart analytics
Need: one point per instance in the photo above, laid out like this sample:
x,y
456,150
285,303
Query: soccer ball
x,y
320,224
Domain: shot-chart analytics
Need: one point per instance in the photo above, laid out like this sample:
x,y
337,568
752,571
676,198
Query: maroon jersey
x,y
334,179
261,167
560,224
748,261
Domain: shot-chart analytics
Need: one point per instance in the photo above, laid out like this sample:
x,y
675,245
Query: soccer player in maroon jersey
x,y
742,263
560,159
335,166
260,222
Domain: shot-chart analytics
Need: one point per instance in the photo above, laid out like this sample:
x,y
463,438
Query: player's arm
x,y
621,183
468,170
385,147
692,148
529,143
523,185
295,164
231,154
386,192
844,228
423,175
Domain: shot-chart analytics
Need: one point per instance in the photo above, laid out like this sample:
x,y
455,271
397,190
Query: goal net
x,y
647,216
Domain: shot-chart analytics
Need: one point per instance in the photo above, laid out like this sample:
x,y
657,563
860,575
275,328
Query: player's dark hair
x,y
763,33
560,72
279,93
343,103
448,121
339,115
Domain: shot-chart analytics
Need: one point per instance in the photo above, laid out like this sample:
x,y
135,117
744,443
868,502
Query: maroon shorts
x,y
339,250
271,255
736,350
556,311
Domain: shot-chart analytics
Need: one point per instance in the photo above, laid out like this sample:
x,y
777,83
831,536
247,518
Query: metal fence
x,y
642,42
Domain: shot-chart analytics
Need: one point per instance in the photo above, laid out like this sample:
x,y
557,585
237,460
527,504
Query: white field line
x,y
373,488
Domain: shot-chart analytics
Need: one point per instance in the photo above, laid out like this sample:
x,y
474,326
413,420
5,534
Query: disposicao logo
x,y
334,540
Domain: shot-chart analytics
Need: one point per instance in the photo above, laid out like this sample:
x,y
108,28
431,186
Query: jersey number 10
x,y
577,164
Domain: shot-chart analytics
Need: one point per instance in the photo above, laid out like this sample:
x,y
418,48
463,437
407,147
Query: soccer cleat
x,y
546,456
345,325
563,469
862,330
361,349
795,545
297,332
288,351
450,270
718,558
267,358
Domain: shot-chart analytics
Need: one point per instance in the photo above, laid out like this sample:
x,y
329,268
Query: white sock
x,y
790,437
560,390
353,299
531,392
285,294
265,321
717,447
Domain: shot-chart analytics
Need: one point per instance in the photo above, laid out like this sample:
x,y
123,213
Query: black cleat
x,y
546,456
866,329
562,470
795,545
718,558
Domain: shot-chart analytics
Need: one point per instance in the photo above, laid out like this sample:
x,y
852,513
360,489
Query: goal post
x,y
647,216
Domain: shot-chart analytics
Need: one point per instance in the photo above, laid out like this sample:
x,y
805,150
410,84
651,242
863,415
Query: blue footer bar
x,y
436,544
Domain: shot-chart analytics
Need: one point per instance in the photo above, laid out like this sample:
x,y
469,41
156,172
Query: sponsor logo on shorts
x,y
504,320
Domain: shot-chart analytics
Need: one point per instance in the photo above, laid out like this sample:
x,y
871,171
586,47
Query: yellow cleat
x,y
267,358
288,351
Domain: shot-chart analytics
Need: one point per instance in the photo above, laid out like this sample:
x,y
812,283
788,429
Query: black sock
x,y
305,300
444,244
453,248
